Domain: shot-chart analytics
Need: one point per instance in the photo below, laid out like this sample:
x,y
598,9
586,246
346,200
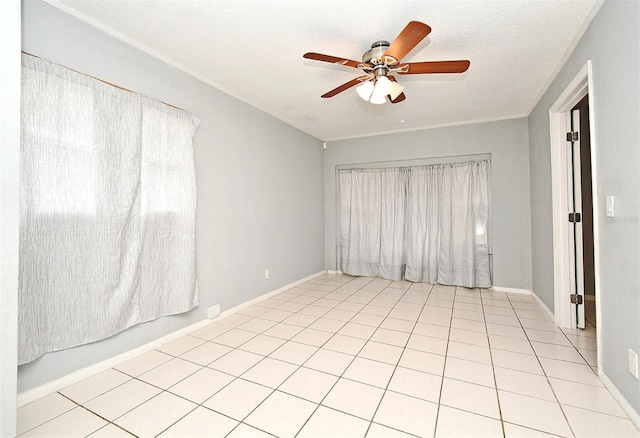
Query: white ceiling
x,y
252,50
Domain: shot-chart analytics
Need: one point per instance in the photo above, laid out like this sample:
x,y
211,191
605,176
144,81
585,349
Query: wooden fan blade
x,y
410,36
331,59
344,86
418,68
400,97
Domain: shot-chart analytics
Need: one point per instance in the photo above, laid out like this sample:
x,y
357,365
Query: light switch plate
x,y
633,363
610,206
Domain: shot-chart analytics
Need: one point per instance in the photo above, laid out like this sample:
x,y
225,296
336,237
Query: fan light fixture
x,y
365,90
376,90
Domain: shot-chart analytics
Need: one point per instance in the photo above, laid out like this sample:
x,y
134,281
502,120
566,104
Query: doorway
x,y
581,218
568,241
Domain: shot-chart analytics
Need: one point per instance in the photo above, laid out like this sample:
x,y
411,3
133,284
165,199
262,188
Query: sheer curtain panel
x,y
372,221
422,223
108,198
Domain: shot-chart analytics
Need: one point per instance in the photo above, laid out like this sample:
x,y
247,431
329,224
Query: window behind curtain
x,y
108,200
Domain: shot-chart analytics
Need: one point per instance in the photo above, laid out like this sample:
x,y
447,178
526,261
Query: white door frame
x,y
581,85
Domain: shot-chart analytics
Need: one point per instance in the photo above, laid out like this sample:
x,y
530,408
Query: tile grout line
x,y
345,297
273,391
231,327
202,367
339,377
564,415
399,358
300,366
444,367
57,416
354,358
493,368
98,415
342,375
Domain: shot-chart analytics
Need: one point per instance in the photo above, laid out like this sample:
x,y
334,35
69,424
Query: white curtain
x,y
430,221
372,221
107,210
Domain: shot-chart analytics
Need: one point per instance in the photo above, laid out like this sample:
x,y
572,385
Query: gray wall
x,y
506,141
260,184
9,208
612,43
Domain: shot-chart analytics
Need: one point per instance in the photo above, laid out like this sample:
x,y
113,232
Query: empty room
x,y
280,218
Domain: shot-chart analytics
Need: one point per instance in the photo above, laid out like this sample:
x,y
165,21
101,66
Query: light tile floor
x,y
340,356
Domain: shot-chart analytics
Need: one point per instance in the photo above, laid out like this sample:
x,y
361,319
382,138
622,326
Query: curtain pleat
x,y
107,210
392,225
422,223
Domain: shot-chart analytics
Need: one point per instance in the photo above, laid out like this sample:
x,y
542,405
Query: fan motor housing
x,y
374,55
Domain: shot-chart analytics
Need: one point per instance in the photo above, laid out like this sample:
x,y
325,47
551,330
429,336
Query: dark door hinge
x,y
576,299
575,217
573,136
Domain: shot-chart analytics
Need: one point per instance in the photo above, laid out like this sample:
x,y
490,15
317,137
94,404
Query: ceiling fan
x,y
383,60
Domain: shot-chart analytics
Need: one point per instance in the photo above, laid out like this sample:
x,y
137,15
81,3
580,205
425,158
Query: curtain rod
x,y
394,163
103,81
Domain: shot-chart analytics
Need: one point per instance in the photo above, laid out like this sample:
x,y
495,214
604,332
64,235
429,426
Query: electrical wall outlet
x,y
633,363
267,274
213,311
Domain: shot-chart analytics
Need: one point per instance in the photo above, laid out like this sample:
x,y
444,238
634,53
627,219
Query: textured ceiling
x,y
253,51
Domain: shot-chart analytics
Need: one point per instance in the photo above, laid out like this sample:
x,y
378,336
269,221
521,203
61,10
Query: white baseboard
x,y
544,306
334,272
511,290
81,374
634,416
268,295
